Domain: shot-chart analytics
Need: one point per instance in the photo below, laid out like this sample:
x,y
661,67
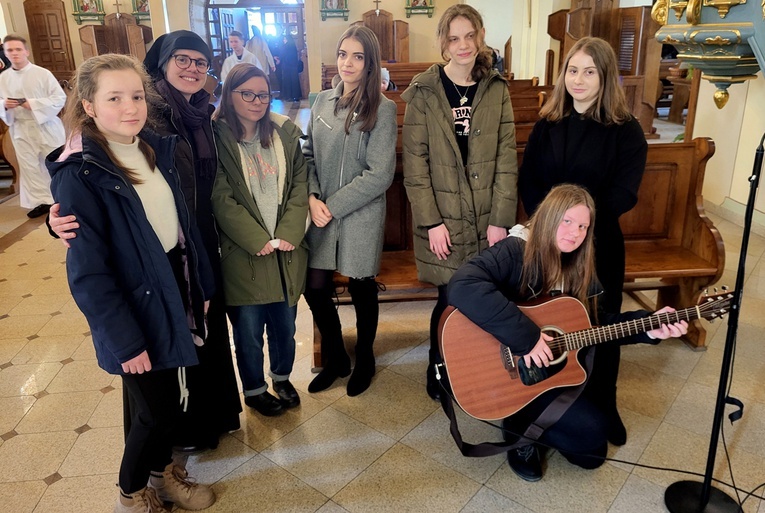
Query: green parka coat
x,y
440,188
249,279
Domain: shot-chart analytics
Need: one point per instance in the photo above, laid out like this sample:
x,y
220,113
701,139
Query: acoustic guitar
x,y
491,383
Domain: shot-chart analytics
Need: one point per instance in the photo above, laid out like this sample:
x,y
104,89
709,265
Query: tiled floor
x,y
386,450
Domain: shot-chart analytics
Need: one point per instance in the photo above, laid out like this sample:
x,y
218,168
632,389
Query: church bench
x,y
672,247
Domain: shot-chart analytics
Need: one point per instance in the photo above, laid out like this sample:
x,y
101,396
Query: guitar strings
x,y
591,336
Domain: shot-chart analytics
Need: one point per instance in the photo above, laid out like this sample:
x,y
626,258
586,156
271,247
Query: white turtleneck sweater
x,y
154,192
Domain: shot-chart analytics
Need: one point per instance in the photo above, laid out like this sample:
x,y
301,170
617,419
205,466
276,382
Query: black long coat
x,y
610,164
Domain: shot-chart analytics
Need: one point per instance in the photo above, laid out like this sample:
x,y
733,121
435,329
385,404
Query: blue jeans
x,y
249,322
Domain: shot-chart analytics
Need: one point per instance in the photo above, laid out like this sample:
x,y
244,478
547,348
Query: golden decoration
x,y
693,15
721,98
719,41
678,6
763,9
669,40
723,6
660,10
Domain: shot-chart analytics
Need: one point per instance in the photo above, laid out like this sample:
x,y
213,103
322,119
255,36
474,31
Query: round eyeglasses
x,y
249,96
184,61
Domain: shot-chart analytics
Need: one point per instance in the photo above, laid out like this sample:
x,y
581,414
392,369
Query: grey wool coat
x,y
350,173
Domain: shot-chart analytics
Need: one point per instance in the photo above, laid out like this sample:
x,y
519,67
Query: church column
x,y
313,42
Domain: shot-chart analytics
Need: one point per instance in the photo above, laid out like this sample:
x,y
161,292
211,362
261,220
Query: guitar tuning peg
x,y
706,291
715,290
725,288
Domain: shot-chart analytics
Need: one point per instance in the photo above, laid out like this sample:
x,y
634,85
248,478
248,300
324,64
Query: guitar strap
x,y
546,419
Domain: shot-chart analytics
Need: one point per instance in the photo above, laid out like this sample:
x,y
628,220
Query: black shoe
x,y
526,462
39,210
617,433
287,393
327,376
361,377
432,386
265,404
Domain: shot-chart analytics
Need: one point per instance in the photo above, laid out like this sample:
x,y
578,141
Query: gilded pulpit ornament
x,y
723,39
693,15
679,7
660,9
723,6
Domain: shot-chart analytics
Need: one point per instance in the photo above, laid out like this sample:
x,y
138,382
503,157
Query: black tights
x,y
319,293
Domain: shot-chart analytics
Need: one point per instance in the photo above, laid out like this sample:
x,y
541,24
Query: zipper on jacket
x,y
361,141
319,118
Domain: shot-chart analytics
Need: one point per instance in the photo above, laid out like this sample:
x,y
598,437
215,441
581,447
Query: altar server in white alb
x,y
239,55
30,100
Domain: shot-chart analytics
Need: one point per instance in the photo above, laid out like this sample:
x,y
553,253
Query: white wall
x,y
497,19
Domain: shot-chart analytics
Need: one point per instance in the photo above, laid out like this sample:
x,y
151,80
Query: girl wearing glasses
x,y
351,154
178,62
260,201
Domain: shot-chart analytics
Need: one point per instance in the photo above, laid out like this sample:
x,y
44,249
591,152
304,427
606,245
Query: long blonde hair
x,y
543,260
610,107
482,65
84,87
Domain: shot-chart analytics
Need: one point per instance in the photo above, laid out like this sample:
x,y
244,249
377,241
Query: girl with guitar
x,y
552,254
588,136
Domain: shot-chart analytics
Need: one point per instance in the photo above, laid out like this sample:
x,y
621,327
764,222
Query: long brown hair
x,y
85,86
610,107
363,103
240,74
543,260
482,65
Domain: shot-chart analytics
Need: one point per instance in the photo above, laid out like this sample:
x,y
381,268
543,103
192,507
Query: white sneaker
x,y
177,487
142,501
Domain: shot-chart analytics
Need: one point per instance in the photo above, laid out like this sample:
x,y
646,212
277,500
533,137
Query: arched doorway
x,y
272,17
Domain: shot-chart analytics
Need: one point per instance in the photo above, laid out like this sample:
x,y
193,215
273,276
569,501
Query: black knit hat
x,y
166,44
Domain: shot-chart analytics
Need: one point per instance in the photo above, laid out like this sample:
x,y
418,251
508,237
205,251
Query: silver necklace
x,y
463,97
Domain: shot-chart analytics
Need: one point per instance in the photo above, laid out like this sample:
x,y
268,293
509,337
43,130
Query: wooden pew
x,y
671,245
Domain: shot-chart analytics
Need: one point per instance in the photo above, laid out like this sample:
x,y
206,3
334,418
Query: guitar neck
x,y
592,336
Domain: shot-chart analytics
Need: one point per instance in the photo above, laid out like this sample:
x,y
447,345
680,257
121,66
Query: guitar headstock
x,y
715,305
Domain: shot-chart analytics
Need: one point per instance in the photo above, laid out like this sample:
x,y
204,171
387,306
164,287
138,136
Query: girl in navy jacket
x,y
137,269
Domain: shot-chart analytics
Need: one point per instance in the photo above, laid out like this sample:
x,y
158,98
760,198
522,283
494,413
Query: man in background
x,y
238,56
30,100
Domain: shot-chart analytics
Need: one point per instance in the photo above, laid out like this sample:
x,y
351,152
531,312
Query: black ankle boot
x,y
362,374
328,375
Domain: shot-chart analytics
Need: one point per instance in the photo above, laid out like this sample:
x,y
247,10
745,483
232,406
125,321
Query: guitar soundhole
x,y
533,374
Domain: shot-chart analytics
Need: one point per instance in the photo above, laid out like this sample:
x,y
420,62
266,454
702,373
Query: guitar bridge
x,y
508,361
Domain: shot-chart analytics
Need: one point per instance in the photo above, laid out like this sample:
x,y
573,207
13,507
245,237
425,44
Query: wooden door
x,y
49,37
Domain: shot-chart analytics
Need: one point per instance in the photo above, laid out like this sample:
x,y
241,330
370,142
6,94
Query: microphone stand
x,y
692,496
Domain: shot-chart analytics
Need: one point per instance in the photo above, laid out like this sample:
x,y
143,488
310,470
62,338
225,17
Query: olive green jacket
x,y
249,279
440,188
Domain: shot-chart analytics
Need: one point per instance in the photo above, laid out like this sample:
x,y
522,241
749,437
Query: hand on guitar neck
x,y
542,355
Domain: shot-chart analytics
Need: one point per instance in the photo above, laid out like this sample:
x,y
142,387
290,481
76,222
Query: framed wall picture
x,y
334,9
88,10
419,7
141,9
